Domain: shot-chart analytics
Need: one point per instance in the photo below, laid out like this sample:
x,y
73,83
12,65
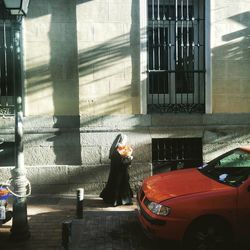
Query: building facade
x,y
171,74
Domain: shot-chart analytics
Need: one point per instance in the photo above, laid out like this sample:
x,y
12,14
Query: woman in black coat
x,y
117,190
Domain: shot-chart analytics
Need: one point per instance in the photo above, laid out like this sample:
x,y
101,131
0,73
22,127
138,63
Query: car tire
x,y
208,234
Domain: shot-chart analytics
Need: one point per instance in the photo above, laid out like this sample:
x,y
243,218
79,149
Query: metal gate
x,y
176,153
10,62
176,56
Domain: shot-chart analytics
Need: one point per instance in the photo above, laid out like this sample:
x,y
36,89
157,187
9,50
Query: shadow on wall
x,y
65,83
231,68
61,75
94,61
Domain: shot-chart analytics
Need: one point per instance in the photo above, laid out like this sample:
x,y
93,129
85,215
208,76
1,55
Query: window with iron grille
x,y
9,63
176,56
176,153
7,154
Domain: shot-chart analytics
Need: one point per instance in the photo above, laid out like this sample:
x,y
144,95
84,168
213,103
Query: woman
x,y
117,190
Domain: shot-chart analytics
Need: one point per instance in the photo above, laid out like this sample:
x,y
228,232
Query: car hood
x,y
172,184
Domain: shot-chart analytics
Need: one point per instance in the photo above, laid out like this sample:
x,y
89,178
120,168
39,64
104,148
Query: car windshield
x,y
232,168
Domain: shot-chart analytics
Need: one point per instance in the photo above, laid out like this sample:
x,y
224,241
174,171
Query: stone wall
x,y
57,163
82,57
109,57
85,82
230,52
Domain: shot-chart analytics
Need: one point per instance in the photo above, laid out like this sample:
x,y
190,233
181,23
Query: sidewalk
x,y
45,216
102,227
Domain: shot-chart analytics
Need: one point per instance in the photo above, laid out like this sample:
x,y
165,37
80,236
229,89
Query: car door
x,y
243,212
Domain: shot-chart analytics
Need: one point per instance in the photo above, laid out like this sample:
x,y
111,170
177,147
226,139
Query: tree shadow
x,y
67,65
231,67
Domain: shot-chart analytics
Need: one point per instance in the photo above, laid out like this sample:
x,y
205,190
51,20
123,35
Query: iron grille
x,y
8,61
176,56
175,153
7,154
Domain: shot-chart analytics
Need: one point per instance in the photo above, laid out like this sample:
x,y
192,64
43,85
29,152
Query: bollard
x,y
79,204
66,234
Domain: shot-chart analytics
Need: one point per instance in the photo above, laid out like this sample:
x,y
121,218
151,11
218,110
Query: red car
x,y
204,208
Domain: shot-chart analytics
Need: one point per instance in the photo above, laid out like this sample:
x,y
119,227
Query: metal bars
x,y
7,63
174,153
176,56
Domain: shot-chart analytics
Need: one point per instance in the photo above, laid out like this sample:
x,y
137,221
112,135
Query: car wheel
x,y
208,234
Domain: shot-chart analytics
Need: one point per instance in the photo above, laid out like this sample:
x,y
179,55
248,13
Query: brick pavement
x,y
112,230
45,216
101,228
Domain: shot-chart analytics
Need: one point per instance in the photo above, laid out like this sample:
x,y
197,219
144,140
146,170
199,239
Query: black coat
x,y
117,190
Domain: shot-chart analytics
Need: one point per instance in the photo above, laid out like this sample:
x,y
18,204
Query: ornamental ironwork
x,y
10,62
176,56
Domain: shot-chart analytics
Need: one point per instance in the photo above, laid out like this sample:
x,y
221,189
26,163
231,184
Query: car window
x,y
238,158
232,168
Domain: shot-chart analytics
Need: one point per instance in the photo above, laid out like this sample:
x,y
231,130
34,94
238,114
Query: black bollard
x,y
79,204
66,234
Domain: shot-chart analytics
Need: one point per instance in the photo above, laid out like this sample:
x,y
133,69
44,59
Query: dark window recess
x,y
176,153
7,154
176,56
184,77
8,60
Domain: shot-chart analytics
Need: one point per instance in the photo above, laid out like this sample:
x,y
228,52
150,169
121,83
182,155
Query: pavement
x,y
102,227
45,217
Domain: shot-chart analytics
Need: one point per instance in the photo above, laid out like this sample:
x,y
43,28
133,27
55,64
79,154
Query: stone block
x,y
53,155
176,120
38,9
115,12
38,122
110,68
94,90
53,189
139,171
90,121
104,32
91,155
63,11
40,102
5,174
105,154
96,138
88,174
37,31
52,138
238,69
86,72
226,119
85,32
37,64
126,121
93,11
44,175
